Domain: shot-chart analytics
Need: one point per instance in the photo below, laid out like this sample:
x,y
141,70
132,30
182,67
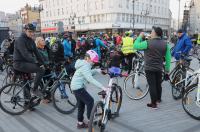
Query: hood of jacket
x,y
81,63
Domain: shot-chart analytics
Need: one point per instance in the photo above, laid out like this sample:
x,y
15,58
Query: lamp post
x,y
145,14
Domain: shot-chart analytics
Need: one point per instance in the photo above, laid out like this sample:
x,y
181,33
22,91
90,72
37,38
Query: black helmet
x,y
30,26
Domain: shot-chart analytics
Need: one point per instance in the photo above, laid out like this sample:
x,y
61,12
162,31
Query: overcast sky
x,y
11,6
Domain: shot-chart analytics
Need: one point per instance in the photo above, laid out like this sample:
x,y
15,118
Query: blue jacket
x,y
84,74
67,48
183,45
99,44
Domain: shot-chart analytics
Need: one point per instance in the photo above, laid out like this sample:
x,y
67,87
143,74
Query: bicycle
x,y
102,110
132,88
191,96
63,98
178,74
23,100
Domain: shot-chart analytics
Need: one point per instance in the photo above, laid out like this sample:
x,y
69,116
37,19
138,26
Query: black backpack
x,y
91,42
57,51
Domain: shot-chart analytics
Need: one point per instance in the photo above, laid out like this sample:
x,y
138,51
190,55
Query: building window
x,y
62,11
118,17
98,18
95,19
58,12
127,17
123,17
47,14
96,5
127,4
102,4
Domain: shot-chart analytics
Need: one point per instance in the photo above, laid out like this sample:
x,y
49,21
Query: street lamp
x,y
145,14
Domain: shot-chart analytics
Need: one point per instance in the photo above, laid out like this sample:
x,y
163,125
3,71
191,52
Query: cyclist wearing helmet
x,y
82,75
26,56
128,50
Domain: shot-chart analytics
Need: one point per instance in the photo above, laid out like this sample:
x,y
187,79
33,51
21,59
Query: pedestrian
x,y
156,50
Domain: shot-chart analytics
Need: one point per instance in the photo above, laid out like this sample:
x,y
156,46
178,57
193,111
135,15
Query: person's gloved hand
x,y
106,89
42,66
104,72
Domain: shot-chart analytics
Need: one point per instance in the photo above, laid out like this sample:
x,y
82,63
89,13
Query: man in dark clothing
x,y
26,56
155,50
73,44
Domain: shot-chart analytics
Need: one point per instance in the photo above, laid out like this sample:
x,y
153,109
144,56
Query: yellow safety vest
x,y
127,46
198,40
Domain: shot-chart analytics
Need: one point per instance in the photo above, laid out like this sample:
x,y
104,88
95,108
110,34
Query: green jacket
x,y
143,45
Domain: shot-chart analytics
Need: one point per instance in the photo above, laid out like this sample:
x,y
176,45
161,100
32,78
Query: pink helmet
x,y
93,56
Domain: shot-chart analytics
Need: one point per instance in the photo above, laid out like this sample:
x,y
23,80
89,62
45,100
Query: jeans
x,y
83,98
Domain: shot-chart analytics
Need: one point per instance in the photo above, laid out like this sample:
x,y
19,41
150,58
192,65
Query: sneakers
x,y
81,126
159,101
152,105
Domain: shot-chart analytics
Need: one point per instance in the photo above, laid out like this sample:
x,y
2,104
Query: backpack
x,y
91,42
54,47
57,51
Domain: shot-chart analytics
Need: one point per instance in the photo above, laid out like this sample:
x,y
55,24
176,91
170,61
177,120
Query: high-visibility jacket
x,y
198,39
127,46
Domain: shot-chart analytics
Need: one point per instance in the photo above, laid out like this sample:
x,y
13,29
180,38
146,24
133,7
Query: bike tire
x,y
116,98
72,104
140,94
177,91
187,101
93,124
24,108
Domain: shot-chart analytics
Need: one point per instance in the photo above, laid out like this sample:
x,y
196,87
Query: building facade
x,y
15,23
194,17
30,15
3,20
104,15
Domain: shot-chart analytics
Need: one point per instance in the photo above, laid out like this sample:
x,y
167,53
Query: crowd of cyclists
x,y
95,53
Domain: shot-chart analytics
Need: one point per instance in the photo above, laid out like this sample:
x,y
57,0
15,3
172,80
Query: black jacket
x,y
25,51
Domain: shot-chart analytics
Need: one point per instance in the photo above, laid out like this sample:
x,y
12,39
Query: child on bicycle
x,y
84,74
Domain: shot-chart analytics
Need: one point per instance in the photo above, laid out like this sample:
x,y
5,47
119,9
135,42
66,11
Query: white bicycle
x,y
191,96
110,105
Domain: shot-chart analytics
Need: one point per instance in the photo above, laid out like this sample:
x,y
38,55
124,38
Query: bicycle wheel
x,y
63,99
133,89
116,99
9,77
178,89
96,117
12,99
189,102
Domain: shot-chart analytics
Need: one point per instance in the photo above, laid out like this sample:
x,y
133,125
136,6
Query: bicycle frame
x,y
190,78
106,101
